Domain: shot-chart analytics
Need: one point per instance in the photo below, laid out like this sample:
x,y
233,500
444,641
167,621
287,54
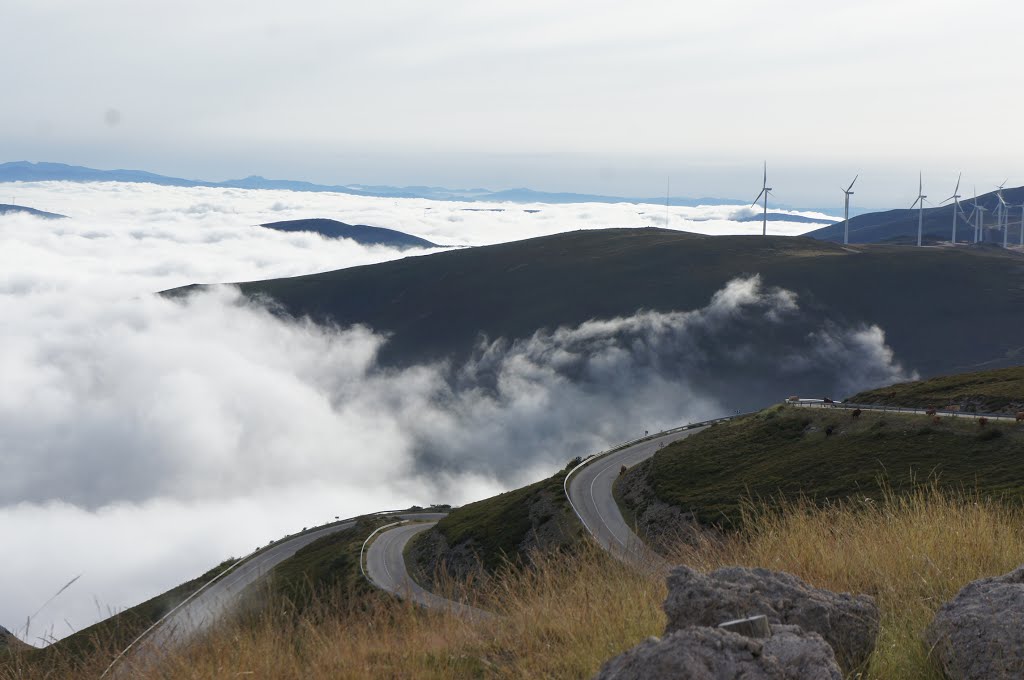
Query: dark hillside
x,y
900,226
998,391
787,452
10,209
360,233
931,302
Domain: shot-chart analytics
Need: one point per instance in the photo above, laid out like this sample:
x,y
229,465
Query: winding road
x,y
385,568
589,488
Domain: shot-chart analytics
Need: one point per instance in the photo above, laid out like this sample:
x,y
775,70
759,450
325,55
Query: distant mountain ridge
x,y
900,226
26,171
9,208
360,233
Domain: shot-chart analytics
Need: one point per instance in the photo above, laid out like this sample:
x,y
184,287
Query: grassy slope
x,y
116,632
985,391
436,306
784,451
330,564
497,527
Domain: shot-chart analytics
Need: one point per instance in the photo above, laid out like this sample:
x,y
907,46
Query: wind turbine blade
x,y
957,183
765,181
757,199
852,183
914,204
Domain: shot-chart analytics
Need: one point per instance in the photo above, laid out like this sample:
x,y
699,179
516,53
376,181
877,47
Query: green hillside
x,y
482,536
996,391
786,452
438,306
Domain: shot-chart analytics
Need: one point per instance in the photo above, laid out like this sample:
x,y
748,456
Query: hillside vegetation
x,y
567,614
482,537
996,391
786,453
438,306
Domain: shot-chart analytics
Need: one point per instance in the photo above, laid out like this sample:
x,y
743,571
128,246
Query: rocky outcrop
x,y
980,632
701,653
848,623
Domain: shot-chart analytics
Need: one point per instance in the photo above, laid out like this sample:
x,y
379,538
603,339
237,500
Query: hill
x,y
360,233
998,391
9,209
787,453
900,226
483,536
438,306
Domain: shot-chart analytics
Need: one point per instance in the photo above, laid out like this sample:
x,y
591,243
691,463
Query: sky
x,y
597,97
146,440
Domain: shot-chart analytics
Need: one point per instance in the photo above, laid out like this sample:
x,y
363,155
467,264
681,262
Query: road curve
x,y
590,492
385,568
205,607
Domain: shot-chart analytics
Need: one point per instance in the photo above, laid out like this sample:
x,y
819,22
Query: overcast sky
x,y
599,96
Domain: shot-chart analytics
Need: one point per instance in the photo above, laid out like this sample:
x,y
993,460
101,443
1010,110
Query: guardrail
x,y
899,409
591,458
231,568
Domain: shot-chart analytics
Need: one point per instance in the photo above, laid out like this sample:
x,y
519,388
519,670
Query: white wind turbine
x,y
919,200
1004,213
846,211
765,190
956,205
980,219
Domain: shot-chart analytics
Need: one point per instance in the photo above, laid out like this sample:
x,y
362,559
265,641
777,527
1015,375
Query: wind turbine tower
x,y
919,201
765,189
1004,214
846,211
979,221
956,205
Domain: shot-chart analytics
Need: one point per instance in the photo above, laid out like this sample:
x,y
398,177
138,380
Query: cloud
x,y
148,438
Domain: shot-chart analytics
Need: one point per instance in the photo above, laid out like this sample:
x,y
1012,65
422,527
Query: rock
x,y
980,632
752,626
700,653
849,623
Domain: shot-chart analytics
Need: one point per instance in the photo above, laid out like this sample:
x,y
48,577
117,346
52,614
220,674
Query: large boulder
x,y
980,632
715,654
849,623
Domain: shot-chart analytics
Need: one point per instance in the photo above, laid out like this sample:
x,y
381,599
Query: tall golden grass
x,y
566,614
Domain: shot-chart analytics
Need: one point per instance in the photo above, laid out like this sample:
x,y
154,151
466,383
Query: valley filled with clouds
x,y
150,438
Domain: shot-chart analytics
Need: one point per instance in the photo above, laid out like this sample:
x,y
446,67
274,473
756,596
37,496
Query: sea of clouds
x,y
143,440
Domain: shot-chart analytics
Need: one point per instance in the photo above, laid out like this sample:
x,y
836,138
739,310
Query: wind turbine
x,y
765,189
1004,213
846,211
956,205
979,221
919,200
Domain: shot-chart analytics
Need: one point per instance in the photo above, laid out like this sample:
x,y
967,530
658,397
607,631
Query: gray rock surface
x,y
849,623
700,653
980,632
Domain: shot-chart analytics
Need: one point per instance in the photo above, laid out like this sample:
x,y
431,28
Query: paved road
x,y
206,607
385,567
590,493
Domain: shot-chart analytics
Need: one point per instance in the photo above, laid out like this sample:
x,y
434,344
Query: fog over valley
x,y
148,438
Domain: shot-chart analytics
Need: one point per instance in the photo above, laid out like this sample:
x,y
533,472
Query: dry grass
x,y
566,615
911,552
